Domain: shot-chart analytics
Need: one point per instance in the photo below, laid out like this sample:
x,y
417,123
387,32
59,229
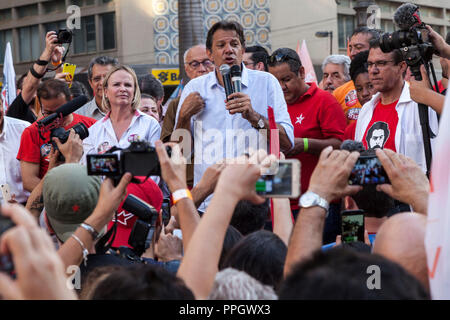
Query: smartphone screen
x,y
103,165
284,183
368,170
352,226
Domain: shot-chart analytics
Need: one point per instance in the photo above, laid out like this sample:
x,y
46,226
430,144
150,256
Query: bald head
x,y
196,61
402,239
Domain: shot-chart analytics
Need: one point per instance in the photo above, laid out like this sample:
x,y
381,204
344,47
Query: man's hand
x,y
40,271
439,43
192,105
330,177
50,46
210,177
408,182
72,149
419,88
168,247
53,159
239,102
65,77
173,169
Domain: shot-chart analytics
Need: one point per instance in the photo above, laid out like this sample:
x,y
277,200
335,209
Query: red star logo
x,y
75,208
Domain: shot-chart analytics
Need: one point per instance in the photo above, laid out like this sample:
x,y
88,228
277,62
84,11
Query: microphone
x,y
407,16
236,78
225,71
64,110
351,145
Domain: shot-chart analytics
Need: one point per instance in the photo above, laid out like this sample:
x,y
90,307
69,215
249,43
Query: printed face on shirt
x,y
377,135
120,89
333,77
384,73
292,83
226,48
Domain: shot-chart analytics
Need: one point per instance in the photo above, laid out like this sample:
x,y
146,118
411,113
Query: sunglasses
x,y
280,57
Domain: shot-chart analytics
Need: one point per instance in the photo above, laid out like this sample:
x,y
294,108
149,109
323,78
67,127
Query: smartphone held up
x,y
283,181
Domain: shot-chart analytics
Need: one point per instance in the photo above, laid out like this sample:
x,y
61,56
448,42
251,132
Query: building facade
x,y
145,32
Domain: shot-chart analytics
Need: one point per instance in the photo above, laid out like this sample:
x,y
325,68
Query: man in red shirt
x,y
317,117
34,149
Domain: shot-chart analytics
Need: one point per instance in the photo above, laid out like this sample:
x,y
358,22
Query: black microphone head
x,y
224,69
407,16
235,71
352,145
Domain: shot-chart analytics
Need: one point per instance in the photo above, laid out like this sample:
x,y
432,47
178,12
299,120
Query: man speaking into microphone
x,y
230,121
35,146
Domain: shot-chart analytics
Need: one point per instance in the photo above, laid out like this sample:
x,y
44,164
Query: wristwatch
x,y
310,199
260,124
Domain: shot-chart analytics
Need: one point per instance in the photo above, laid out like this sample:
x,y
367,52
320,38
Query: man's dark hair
x,y
151,86
232,237
79,89
249,217
103,61
19,82
285,55
225,25
344,274
261,254
259,54
142,282
53,88
374,33
359,64
396,53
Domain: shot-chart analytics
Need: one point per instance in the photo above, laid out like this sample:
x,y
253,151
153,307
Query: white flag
x,y
310,74
9,79
437,239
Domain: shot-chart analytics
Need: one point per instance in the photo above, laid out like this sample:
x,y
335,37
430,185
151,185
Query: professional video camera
x,y
411,39
139,159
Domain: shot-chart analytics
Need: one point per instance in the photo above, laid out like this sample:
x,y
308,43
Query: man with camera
x,y
35,144
393,106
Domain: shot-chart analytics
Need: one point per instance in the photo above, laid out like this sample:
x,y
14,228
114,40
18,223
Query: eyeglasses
x,y
249,63
280,57
379,64
195,64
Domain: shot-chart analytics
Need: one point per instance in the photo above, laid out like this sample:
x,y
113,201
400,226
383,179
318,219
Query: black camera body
x,y
139,159
64,36
368,170
63,134
144,228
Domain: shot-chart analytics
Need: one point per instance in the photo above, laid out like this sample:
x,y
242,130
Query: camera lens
x,y
81,130
64,36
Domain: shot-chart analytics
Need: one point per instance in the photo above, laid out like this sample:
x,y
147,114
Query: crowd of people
x,y
199,230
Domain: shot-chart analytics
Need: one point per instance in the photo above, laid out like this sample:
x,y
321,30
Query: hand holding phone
x,y
368,170
352,225
283,183
6,192
70,69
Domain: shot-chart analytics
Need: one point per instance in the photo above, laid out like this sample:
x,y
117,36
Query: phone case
x,y
69,68
6,192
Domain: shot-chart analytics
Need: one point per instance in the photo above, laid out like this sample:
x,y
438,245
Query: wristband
x,y
57,64
305,144
40,62
83,248
91,230
181,194
35,74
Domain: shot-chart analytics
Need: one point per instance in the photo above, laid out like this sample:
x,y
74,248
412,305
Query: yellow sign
x,y
168,77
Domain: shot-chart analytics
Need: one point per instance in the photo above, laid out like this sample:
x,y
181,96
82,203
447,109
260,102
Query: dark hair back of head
x,y
374,33
249,217
225,25
290,57
19,83
53,88
148,84
359,64
261,254
79,89
259,54
346,275
375,203
142,282
232,237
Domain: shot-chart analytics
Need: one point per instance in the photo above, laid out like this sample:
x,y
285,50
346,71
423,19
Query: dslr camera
x,y
63,134
64,36
140,159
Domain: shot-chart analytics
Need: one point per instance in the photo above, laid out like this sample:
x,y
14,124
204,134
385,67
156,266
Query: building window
x,y
346,26
387,26
27,11
29,43
84,39
83,3
108,29
107,1
5,37
54,6
5,15
55,26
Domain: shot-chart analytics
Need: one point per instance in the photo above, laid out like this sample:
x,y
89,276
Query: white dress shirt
x,y
218,134
10,166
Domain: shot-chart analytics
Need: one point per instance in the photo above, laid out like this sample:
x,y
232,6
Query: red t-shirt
x,y
316,115
380,132
36,150
349,133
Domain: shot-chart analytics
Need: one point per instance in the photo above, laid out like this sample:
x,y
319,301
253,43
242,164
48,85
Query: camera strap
x,y
103,245
62,60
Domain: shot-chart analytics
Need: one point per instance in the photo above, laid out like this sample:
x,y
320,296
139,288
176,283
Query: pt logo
x,y
374,281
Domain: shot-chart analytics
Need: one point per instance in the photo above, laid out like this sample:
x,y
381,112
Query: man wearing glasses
x,y
318,122
228,126
35,149
393,106
255,58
